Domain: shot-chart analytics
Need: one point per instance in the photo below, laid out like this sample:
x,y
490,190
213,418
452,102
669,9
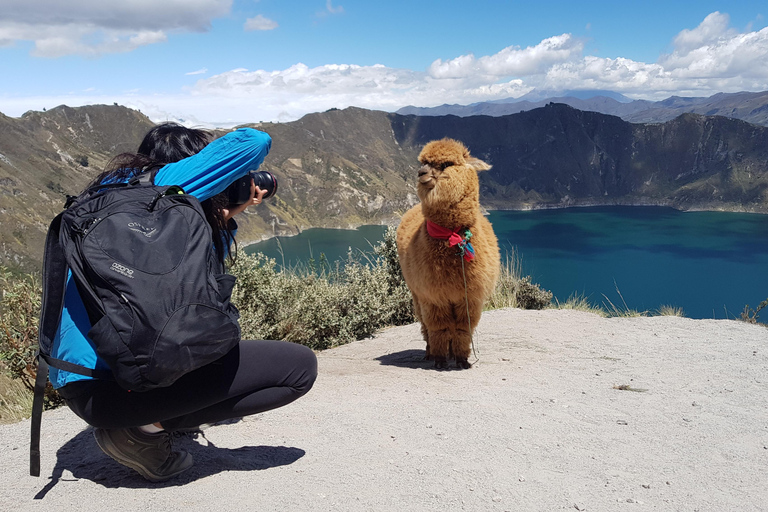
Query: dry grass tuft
x,y
667,310
15,400
579,302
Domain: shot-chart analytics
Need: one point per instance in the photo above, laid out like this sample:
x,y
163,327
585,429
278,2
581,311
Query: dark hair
x,y
171,142
164,144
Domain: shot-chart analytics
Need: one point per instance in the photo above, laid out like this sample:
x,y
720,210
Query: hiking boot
x,y
152,455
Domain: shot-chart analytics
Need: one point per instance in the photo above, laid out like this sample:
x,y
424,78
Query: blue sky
x,y
224,62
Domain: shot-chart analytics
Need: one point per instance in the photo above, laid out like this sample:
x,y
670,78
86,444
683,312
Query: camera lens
x,y
239,192
265,181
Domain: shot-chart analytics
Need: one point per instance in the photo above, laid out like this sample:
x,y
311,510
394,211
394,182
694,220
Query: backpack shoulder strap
x,y
37,416
55,270
54,279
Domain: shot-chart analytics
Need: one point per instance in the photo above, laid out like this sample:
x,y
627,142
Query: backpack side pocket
x,y
114,351
224,285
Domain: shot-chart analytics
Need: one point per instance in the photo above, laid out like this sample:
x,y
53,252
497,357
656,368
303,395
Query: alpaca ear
x,y
477,164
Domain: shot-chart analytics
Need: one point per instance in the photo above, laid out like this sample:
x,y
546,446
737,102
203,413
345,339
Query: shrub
x,y
750,315
514,291
401,296
321,307
19,314
531,296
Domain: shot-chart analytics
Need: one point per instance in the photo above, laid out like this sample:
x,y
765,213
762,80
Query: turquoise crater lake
x,y
711,264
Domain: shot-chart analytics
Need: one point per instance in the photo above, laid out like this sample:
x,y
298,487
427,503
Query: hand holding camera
x,y
239,192
249,190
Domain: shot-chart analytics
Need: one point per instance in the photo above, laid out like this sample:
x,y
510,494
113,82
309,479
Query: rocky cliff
x,y
344,168
45,155
559,156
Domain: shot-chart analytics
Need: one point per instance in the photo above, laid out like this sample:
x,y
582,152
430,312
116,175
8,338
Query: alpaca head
x,y
448,186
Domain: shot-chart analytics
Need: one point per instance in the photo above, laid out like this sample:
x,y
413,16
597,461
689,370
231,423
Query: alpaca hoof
x,y
441,363
463,364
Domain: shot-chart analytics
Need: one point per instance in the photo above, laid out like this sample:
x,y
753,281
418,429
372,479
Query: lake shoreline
x,y
710,263
528,208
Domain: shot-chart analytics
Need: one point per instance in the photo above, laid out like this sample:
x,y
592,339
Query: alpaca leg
x,y
438,322
440,343
427,351
462,340
424,333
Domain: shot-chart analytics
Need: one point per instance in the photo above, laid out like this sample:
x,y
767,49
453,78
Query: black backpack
x,y
158,299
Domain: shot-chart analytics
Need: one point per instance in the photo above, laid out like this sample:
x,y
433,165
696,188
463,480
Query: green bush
x,y
19,314
515,291
530,295
750,315
322,307
401,296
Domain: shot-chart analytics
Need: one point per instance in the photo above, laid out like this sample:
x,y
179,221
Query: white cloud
x,y
95,27
259,23
707,59
301,89
713,29
61,41
198,72
710,58
704,60
125,14
714,51
511,61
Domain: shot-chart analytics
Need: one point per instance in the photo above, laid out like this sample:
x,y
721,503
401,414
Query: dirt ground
x,y
563,410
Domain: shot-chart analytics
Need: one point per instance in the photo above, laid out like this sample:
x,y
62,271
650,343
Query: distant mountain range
x,y
344,168
45,155
747,106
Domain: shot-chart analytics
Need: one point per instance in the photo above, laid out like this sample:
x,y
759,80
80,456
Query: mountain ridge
x,y
747,106
345,168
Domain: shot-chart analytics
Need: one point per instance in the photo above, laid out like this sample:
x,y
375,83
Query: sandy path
x,y
535,425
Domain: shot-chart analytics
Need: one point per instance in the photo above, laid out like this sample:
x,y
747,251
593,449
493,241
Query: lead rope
x,y
466,295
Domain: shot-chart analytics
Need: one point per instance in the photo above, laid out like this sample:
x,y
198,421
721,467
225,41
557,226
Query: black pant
x,y
253,377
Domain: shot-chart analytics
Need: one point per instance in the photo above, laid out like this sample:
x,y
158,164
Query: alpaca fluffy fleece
x,y
434,271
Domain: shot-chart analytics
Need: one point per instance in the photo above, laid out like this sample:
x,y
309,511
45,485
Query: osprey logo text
x,y
122,269
147,232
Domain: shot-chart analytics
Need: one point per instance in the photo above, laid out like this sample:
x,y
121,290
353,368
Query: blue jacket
x,y
202,175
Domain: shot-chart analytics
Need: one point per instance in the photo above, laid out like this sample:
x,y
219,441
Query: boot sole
x,y
108,447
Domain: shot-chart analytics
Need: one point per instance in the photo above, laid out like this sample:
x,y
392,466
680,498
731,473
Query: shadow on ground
x,y
81,458
411,358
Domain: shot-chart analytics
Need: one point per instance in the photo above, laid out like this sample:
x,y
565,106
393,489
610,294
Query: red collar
x,y
453,237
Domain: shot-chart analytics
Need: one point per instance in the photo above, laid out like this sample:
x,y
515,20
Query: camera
x,y
240,190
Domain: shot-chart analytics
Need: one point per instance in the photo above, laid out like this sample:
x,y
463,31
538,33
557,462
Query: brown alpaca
x,y
434,268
